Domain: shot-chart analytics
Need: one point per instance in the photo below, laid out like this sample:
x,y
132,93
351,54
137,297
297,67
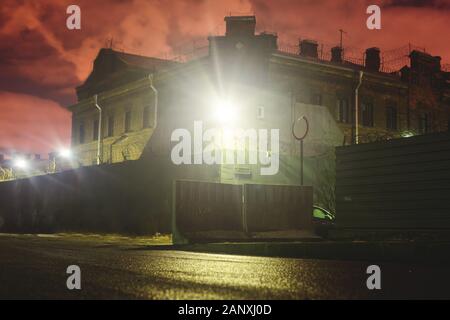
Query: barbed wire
x,y
392,60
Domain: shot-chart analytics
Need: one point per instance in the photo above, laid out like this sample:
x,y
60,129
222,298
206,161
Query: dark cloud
x,y
435,4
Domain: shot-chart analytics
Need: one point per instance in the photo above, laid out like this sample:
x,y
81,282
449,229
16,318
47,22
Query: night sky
x,y
41,61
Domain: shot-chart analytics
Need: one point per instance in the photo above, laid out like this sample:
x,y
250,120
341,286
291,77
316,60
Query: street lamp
x,y
20,163
225,112
65,153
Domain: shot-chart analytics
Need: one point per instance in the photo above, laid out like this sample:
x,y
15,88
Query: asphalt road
x,y
33,267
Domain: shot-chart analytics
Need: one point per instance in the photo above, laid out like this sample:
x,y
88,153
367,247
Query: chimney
x,y
240,26
421,61
308,48
270,39
336,54
373,59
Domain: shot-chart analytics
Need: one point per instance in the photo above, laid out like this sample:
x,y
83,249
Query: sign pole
x,y
301,138
301,162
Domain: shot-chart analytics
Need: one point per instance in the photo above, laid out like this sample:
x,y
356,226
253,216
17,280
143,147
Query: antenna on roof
x,y
109,42
340,42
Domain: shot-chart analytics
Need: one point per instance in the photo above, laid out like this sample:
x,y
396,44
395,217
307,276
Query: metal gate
x,y
207,210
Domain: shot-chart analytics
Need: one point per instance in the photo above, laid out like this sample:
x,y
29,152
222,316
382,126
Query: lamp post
x,y
301,138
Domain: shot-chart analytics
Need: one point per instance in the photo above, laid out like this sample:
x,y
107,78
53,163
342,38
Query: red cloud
x,y
40,57
32,125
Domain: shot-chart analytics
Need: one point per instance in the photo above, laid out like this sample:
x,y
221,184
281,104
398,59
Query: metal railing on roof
x,y
391,60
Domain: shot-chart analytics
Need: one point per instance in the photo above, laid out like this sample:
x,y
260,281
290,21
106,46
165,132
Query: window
x,y
424,124
391,118
128,121
316,98
344,112
95,132
146,117
367,114
260,113
110,132
414,78
299,97
81,133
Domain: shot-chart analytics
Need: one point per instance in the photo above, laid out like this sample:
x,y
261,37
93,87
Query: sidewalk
x,y
426,251
393,251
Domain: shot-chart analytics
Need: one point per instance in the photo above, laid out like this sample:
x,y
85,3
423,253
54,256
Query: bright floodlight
x,y
225,112
20,163
65,153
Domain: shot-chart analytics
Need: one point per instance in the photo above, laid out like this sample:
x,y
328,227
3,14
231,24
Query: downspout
x,y
99,135
408,102
155,118
361,73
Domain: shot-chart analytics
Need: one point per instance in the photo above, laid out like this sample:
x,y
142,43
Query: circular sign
x,y
301,137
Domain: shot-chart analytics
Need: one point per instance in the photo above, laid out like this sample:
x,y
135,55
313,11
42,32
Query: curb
x,y
434,252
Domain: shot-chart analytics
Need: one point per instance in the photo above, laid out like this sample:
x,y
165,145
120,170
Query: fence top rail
x,y
394,143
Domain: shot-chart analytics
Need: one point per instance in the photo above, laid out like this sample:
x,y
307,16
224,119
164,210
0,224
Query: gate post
x,y
177,237
244,209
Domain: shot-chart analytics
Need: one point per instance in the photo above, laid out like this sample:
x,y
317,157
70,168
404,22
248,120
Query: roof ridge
x,y
138,55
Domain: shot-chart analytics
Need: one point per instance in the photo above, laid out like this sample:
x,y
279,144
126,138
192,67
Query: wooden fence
x,y
397,184
202,207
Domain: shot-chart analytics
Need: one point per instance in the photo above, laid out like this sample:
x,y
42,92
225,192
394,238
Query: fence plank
x,y
402,183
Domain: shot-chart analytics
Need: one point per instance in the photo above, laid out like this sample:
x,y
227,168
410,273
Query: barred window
x,y
110,131
391,118
367,114
344,112
128,121
424,123
146,117
81,133
95,132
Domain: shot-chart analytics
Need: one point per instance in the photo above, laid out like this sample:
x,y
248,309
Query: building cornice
x,y
336,70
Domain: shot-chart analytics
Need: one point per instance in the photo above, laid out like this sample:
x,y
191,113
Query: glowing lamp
x,y
65,153
225,112
20,163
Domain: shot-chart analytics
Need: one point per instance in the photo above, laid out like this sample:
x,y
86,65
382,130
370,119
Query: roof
x,y
240,18
111,65
142,61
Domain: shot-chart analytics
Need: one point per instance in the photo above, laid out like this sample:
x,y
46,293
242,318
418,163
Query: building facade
x,y
269,87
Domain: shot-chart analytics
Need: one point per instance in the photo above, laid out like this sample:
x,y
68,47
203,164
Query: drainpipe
x,y
155,119
361,73
99,135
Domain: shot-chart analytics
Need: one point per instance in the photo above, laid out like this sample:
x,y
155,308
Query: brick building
x,y
271,89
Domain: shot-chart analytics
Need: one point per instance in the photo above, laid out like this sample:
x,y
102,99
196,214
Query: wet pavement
x,y
34,267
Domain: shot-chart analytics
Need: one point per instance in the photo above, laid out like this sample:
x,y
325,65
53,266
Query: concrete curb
x,y
435,252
